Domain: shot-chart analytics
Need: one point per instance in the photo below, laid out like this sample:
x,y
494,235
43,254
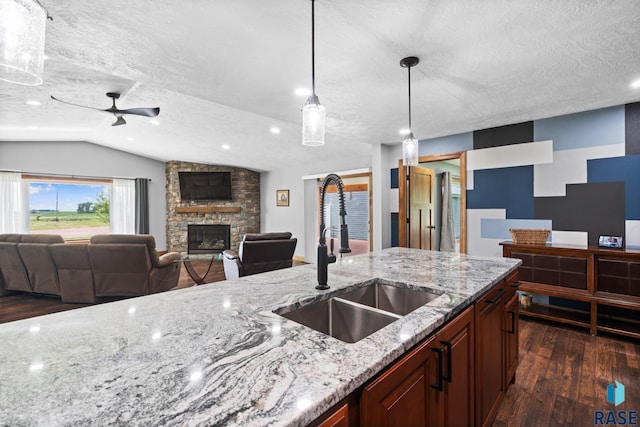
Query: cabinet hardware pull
x,y
516,284
449,367
513,322
497,297
439,385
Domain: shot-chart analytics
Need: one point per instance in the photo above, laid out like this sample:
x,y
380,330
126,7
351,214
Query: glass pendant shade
x,y
22,28
313,122
410,150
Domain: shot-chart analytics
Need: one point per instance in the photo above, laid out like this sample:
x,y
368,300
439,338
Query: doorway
x,y
358,202
412,222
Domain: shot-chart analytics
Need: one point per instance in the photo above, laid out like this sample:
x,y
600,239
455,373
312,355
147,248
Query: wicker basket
x,y
529,236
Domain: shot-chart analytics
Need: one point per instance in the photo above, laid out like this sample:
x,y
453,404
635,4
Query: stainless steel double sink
x,y
357,313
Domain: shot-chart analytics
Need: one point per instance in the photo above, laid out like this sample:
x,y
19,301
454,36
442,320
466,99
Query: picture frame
x,y
282,197
612,242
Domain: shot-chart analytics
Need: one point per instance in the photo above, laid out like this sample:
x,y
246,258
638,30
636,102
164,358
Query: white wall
x,y
300,217
86,159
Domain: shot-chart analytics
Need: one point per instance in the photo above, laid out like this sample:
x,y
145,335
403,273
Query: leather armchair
x,y
259,253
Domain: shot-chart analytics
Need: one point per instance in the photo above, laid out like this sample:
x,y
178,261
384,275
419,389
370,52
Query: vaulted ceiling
x,y
225,71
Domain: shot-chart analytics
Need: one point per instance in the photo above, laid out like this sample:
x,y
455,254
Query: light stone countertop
x,y
216,354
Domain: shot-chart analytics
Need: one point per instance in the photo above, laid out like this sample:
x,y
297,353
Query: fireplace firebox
x,y
208,238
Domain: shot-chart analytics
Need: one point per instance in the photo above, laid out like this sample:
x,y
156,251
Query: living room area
x,y
170,218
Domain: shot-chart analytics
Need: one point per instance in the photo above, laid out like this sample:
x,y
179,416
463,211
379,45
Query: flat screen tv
x,y
205,185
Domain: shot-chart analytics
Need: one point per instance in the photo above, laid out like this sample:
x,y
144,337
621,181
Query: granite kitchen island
x,y
217,354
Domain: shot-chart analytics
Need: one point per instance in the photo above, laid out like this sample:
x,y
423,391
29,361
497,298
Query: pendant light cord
x,y
409,74
313,48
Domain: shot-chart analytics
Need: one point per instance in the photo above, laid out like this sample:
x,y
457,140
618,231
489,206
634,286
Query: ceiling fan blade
x,y
149,112
119,121
75,105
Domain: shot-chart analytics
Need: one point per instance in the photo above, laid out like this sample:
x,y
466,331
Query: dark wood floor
x,y
562,378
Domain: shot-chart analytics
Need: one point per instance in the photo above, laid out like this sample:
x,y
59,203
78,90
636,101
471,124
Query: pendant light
x,y
313,112
22,28
410,143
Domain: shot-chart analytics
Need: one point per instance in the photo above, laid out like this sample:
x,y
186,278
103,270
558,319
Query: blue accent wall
x,y
504,188
446,144
578,194
587,129
614,169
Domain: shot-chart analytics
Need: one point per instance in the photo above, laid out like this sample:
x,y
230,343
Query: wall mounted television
x,y
205,185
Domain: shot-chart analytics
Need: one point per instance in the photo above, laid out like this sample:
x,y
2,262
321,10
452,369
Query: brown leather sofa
x,y
26,264
259,253
110,265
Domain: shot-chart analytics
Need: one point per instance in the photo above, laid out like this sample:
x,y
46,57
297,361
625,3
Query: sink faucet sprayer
x,y
325,259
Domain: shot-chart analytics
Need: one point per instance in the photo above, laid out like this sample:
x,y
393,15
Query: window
x,y
76,209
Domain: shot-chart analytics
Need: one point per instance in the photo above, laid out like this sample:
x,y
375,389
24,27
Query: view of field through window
x,y
73,210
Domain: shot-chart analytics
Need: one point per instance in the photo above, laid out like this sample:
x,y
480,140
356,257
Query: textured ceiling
x,y
224,72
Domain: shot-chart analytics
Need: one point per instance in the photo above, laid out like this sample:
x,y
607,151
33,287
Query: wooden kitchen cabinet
x,y
403,394
489,318
344,414
456,401
511,339
431,386
456,377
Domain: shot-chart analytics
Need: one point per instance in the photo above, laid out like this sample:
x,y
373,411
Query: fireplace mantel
x,y
201,209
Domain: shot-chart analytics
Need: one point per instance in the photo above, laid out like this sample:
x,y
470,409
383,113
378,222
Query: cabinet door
x,y
344,414
457,339
511,339
489,354
403,396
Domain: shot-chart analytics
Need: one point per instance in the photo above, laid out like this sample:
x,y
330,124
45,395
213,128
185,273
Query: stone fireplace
x,y
240,215
208,238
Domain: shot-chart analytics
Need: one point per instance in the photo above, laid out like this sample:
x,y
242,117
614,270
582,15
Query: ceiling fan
x,y
148,112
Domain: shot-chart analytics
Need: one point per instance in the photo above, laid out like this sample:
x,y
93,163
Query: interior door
x,y
421,227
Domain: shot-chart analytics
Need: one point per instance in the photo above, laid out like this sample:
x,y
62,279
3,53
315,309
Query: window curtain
x,y
142,205
447,230
122,218
14,203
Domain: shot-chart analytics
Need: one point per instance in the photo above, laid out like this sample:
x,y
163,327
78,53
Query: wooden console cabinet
x,y
596,288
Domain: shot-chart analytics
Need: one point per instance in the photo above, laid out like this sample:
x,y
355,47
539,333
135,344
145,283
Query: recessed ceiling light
x,y
403,131
275,130
33,102
130,139
154,122
635,84
226,147
303,91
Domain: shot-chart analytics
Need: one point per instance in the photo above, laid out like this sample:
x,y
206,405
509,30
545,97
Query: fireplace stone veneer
x,y
242,215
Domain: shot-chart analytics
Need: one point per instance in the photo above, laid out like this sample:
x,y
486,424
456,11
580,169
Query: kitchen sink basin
x,y
341,319
357,313
390,298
